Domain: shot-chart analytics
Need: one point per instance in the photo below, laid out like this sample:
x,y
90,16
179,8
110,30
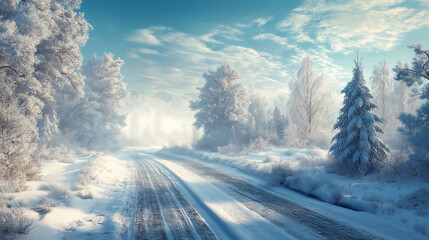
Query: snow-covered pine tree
x,y
258,115
222,108
278,125
356,146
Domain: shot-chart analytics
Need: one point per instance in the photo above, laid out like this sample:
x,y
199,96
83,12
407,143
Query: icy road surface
x,y
162,210
183,198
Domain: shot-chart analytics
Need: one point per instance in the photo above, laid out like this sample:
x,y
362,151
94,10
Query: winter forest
x,y
80,143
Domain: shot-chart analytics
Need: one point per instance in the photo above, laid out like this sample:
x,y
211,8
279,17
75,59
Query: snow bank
x,y
304,170
73,199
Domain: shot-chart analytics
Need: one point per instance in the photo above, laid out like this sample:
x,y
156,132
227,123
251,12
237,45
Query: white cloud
x,y
225,32
424,2
295,23
262,21
147,51
351,25
275,38
144,36
183,58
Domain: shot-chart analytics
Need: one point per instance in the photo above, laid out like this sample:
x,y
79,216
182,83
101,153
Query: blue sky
x,y
167,45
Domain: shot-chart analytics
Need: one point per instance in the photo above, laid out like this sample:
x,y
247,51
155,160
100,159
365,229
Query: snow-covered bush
x,y
422,228
44,205
58,192
6,187
14,223
271,159
254,145
85,194
396,167
257,145
279,171
415,200
90,171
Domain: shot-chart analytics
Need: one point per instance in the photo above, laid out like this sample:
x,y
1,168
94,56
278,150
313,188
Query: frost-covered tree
x,y
58,65
308,105
278,125
356,146
403,99
18,142
416,127
382,87
22,28
222,108
258,115
96,120
40,54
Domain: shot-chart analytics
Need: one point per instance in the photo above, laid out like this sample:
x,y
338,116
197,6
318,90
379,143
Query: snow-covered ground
x,y
181,193
403,202
77,200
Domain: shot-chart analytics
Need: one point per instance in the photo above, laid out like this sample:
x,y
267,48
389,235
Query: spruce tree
x,y
356,146
280,123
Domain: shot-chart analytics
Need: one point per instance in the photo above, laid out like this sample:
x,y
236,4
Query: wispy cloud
x,y
367,25
262,21
324,30
275,38
144,36
183,58
147,51
222,32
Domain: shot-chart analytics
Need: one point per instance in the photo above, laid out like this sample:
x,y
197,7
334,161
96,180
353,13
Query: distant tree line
x,y
234,118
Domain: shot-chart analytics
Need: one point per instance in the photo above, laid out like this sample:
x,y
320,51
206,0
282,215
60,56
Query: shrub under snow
x,y
14,223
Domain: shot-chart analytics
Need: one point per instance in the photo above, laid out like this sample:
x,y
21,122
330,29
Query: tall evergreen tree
x,y
356,145
279,123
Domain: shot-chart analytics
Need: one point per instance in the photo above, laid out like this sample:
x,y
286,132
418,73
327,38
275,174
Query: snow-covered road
x,y
183,198
162,210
